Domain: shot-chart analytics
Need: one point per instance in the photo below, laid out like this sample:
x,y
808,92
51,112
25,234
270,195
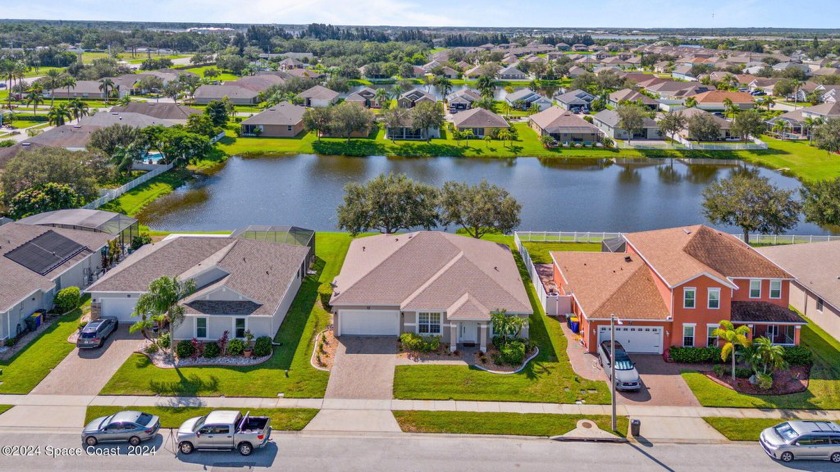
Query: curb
x,y
616,439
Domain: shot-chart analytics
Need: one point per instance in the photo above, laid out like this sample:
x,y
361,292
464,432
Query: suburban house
x,y
725,125
241,284
714,100
365,96
290,63
411,98
480,121
608,122
462,100
511,72
564,126
283,120
630,95
795,120
45,253
526,98
576,100
236,94
672,287
162,111
815,291
429,283
409,132
88,89
318,97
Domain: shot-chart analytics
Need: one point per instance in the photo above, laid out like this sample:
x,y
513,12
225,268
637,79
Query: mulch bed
x,y
442,354
488,363
324,358
785,382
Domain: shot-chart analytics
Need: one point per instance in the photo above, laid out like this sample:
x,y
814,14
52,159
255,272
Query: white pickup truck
x,y
225,430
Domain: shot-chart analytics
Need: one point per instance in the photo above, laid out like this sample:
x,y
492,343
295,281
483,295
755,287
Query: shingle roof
x,y
104,119
319,92
164,111
281,114
479,118
430,270
605,283
758,312
612,119
219,91
816,266
689,112
557,120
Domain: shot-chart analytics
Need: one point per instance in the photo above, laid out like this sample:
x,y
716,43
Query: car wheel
x,y
100,343
134,441
835,458
786,456
185,447
246,449
91,441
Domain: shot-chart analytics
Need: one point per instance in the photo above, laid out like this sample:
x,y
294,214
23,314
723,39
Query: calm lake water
x,y
556,195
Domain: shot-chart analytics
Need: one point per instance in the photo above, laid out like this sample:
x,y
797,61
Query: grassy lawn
x,y
131,202
823,391
540,251
27,368
288,371
223,76
798,158
282,419
548,378
5,408
519,424
741,429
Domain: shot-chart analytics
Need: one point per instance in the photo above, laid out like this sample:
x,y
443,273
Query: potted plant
x,y
249,344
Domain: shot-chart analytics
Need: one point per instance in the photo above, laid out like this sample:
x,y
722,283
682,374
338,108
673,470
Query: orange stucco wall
x,y
701,315
743,292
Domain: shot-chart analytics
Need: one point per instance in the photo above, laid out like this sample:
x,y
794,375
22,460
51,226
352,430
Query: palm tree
x,y
444,85
690,102
779,127
810,124
34,97
534,108
486,85
53,81
106,85
59,115
68,81
7,70
20,71
78,108
733,337
796,86
769,102
729,107
159,306
382,98
767,356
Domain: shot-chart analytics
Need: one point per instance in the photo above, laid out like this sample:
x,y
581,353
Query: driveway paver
x,y
363,368
662,384
86,371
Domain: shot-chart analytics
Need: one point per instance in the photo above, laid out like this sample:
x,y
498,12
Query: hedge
x,y
695,355
798,355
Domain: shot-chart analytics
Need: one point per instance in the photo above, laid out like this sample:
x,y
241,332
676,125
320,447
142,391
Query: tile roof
x,y
430,270
605,283
719,96
479,118
816,266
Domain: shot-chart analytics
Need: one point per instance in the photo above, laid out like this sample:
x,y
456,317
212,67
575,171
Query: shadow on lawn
x,y
190,385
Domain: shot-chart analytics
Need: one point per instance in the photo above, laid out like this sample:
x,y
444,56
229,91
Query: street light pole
x,y
612,367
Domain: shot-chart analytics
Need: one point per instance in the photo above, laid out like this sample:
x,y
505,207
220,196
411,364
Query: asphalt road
x,y
396,452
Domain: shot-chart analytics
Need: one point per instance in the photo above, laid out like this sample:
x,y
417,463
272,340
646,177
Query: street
x,y
387,452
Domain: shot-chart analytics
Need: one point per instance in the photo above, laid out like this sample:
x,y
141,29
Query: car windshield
x,y
623,364
144,418
199,423
786,432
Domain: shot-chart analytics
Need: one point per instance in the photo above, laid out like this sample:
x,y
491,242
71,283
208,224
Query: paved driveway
x,y
363,368
85,372
662,384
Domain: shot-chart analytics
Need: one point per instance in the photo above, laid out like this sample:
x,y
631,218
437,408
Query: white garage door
x,y
121,308
369,323
641,339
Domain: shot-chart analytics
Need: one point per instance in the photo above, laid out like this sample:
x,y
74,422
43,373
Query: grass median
x,y
741,429
514,424
282,419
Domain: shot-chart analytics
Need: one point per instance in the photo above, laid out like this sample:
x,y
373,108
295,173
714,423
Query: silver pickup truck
x,y
224,430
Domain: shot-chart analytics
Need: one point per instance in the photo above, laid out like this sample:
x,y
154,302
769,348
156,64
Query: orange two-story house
x,y
672,287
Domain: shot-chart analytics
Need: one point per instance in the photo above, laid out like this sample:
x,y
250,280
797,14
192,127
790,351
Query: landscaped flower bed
x,y
791,380
223,351
323,354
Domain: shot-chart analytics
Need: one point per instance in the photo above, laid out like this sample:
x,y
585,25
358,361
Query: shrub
x,y
497,359
236,347
262,347
212,350
184,349
138,241
765,381
415,342
223,342
742,372
798,355
10,342
198,348
719,370
67,299
164,340
82,325
151,348
695,355
513,353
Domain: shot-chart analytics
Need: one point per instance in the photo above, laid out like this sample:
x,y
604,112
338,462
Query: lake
x,y
556,194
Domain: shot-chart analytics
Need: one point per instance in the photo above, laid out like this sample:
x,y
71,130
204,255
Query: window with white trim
x,y
776,289
428,323
201,328
714,299
688,335
755,288
689,297
820,305
239,328
711,339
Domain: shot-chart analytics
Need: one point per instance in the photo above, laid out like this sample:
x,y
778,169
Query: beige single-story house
x,y
318,97
429,283
564,126
480,121
283,120
608,121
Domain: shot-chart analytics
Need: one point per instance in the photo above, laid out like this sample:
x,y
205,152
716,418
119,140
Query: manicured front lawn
x,y
288,371
823,391
548,378
540,251
741,429
282,419
519,424
23,371
798,158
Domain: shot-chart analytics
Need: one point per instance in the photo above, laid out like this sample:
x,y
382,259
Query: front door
x,y
468,332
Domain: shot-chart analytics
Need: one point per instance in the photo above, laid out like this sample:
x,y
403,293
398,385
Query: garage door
x,y
641,339
121,308
369,323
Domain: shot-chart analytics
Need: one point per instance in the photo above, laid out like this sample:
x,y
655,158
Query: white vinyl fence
x,y
596,237
115,193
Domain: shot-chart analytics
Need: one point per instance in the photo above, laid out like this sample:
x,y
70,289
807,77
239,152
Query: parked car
x,y
132,426
96,332
816,440
626,375
225,430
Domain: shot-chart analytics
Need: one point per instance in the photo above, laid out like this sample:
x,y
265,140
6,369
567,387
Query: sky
x,y
491,13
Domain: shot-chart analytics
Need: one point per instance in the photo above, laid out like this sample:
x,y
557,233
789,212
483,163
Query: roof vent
x,y
686,231
628,259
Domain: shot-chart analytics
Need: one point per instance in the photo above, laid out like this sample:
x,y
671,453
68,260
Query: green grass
x,y
282,419
23,371
741,429
797,158
540,251
223,76
519,424
131,202
823,391
42,71
5,408
288,371
548,378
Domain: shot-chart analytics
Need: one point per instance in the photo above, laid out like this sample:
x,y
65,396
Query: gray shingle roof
x,y
479,118
319,92
816,266
281,114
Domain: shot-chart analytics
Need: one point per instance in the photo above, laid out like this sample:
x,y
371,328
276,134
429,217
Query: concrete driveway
x,y
662,384
86,371
363,368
